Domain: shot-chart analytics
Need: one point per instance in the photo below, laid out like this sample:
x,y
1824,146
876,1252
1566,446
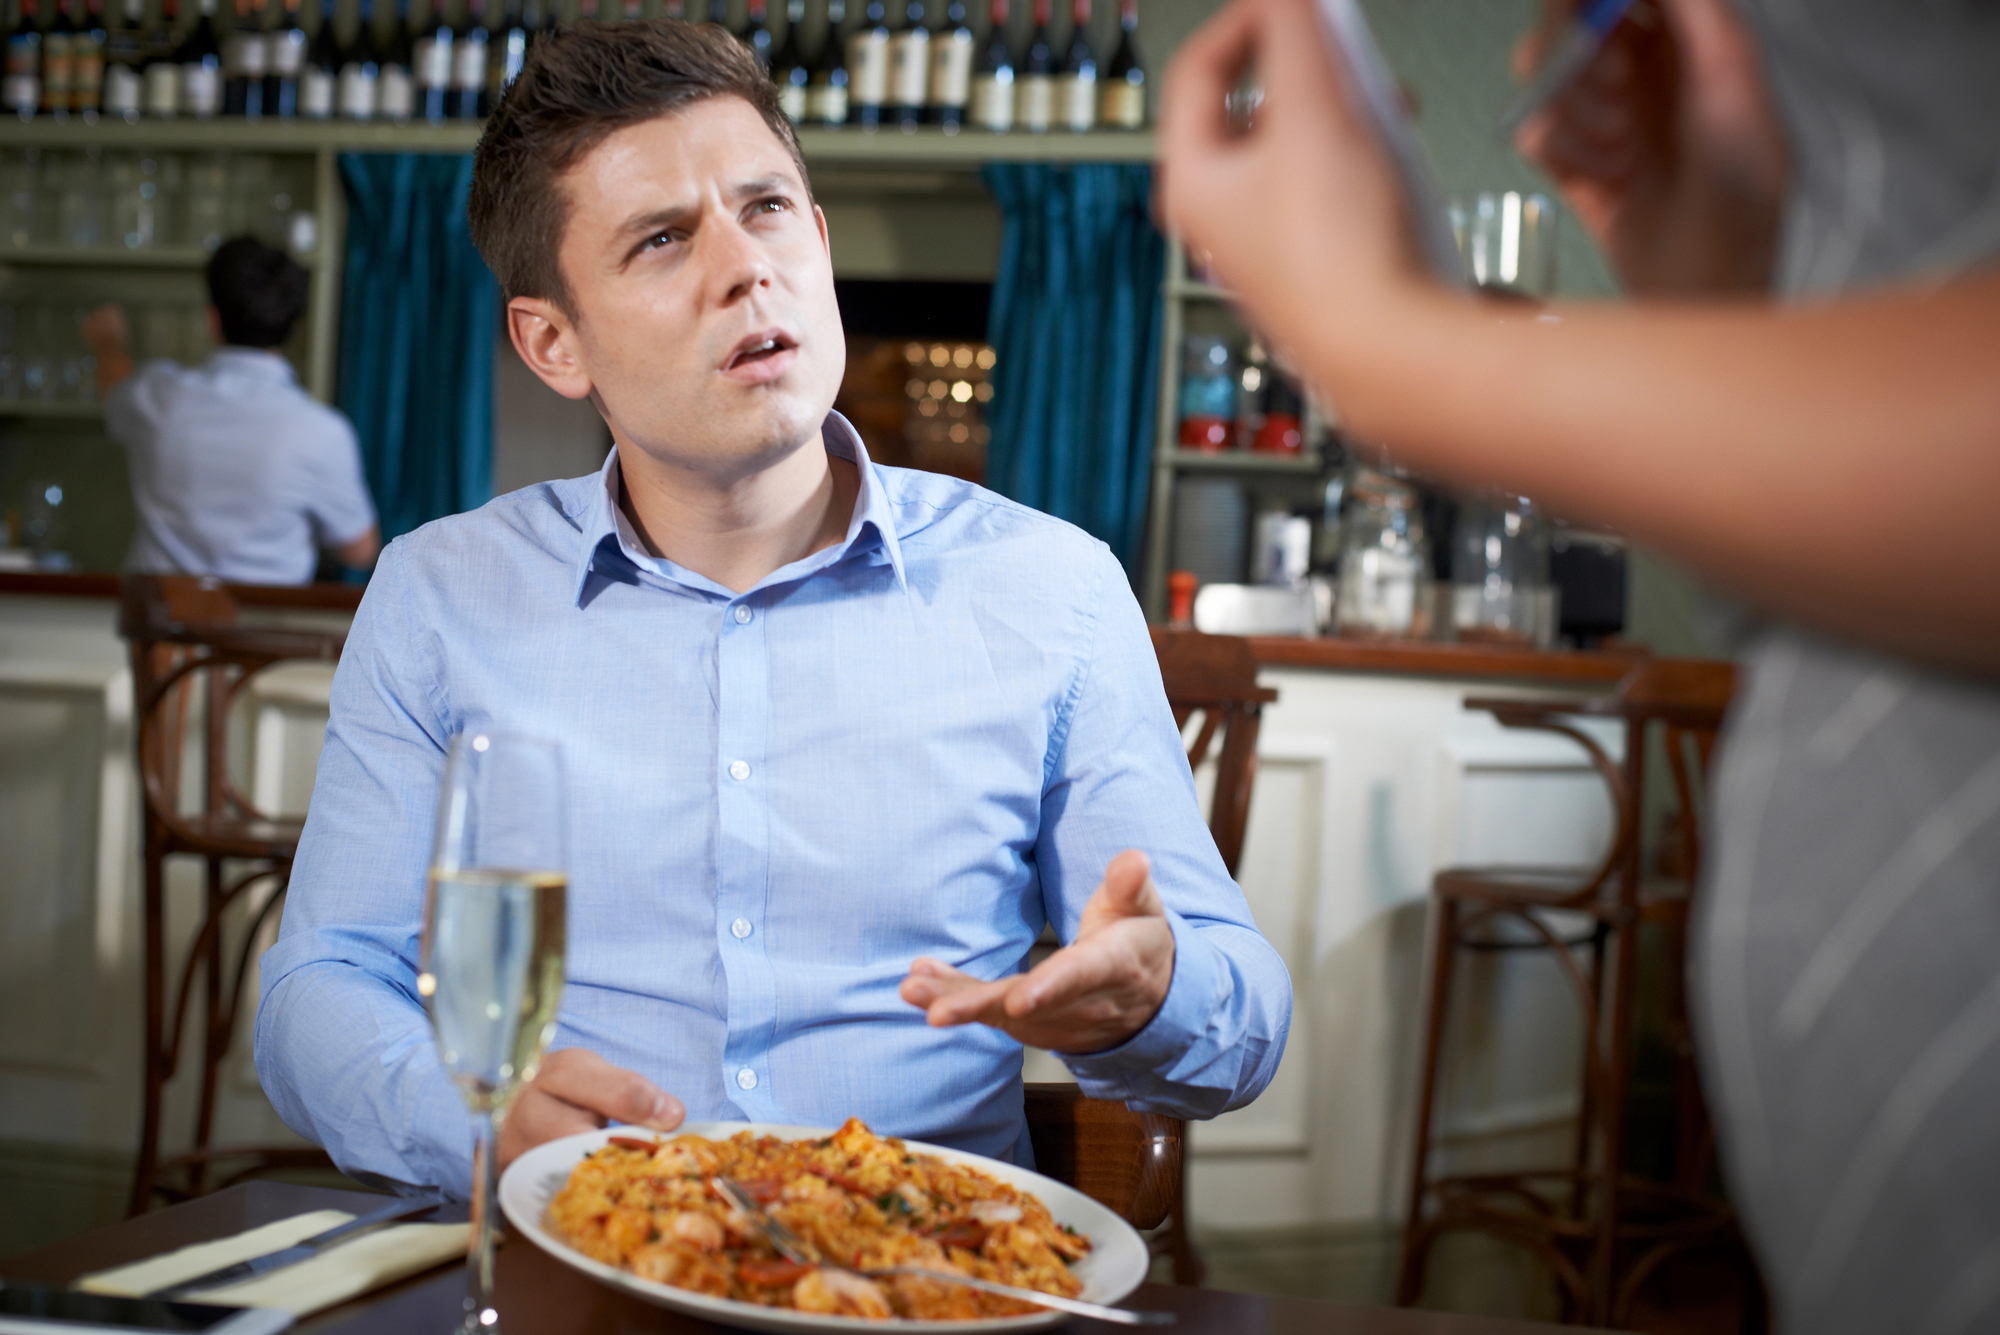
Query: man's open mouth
x,y
759,347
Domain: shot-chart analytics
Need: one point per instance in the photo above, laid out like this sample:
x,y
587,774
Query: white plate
x,y
1116,1265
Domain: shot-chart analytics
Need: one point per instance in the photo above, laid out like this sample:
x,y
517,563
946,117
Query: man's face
x,y
705,320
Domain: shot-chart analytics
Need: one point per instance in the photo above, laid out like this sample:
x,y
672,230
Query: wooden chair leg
x,y
155,1034
1189,1269
1587,1109
1617,1067
1444,953
214,1036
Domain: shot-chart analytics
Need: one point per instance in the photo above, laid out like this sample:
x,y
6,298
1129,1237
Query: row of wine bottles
x,y
266,65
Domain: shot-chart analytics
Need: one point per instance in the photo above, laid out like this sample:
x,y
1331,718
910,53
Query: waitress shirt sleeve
x,y
1119,779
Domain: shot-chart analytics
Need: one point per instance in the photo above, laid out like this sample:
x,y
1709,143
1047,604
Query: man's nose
x,y
737,262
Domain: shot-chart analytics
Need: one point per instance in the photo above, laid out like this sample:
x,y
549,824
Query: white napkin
x,y
345,1270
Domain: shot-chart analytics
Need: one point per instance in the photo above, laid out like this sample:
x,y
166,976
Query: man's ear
x,y
826,240
546,340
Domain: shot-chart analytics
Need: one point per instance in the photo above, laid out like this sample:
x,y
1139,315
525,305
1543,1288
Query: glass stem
x,y
481,1316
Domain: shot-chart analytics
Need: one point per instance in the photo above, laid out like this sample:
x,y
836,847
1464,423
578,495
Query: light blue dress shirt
x,y
237,472
924,740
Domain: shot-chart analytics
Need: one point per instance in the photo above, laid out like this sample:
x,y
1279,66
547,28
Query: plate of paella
x,y
639,1211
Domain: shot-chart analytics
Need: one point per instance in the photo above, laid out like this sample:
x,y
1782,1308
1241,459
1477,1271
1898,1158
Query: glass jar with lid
x,y
1385,560
1500,572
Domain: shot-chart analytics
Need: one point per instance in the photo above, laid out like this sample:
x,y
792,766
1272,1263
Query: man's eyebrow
x,y
773,184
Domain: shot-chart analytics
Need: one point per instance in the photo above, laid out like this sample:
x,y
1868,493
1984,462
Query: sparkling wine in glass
x,y
492,968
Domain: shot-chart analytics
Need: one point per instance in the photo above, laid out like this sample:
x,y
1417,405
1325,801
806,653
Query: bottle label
x,y
1079,101
868,68
57,68
246,55
792,101
163,89
396,95
317,94
122,91
468,61
86,74
433,63
951,69
357,92
826,104
288,52
909,67
1123,104
22,92
201,89
1036,106
993,101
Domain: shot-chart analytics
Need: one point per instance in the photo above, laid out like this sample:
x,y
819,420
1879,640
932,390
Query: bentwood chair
x,y
1602,1229
1133,1162
190,656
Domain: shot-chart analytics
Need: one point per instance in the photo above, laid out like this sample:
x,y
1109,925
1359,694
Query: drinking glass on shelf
x,y
10,356
135,201
492,957
20,183
1500,591
39,378
207,201
76,364
80,201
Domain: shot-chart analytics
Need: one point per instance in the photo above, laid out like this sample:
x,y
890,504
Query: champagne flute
x,y
492,967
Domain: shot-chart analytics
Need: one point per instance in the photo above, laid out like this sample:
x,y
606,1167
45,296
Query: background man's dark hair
x,y
258,290
578,86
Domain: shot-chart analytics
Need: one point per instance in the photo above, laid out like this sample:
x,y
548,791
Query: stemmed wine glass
x,y
492,968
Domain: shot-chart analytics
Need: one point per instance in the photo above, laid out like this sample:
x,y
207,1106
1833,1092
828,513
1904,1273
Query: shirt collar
x,y
609,550
255,361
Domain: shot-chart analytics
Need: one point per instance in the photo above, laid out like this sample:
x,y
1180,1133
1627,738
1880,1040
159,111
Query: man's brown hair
x,y
577,87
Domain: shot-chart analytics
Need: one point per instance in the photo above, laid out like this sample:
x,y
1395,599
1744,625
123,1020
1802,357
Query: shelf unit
x,y
886,152
1170,463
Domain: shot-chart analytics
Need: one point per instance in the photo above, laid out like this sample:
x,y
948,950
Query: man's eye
x,y
657,240
772,205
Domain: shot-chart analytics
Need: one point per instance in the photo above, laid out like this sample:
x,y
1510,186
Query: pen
x,y
1565,59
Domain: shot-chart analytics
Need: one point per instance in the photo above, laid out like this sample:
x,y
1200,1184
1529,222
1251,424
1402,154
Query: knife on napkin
x,y
302,1251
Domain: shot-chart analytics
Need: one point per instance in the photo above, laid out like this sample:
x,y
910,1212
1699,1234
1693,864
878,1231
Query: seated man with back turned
x,y
237,472
840,738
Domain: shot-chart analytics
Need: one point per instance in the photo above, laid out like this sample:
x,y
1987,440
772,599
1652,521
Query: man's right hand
x,y
577,1090
1667,149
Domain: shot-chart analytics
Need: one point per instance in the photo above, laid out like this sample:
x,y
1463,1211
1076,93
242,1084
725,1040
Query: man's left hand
x,y
1091,995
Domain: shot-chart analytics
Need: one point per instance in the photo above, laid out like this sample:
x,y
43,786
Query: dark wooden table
x,y
541,1296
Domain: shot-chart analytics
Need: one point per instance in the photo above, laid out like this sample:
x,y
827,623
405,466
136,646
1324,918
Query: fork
x,y
794,1249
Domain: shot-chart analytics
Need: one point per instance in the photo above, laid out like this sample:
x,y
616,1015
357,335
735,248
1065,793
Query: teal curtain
x,y
1075,329
418,311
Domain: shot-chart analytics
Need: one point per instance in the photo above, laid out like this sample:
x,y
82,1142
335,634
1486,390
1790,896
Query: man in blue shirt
x,y
839,737
236,471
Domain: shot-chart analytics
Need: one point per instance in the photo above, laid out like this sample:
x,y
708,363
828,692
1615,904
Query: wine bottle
x,y
468,65
756,33
506,52
245,62
124,56
868,66
319,83
161,74
287,46
433,60
951,69
200,59
909,68
675,10
58,62
718,14
1122,100
549,20
1076,86
789,69
395,81
360,68
87,62
1035,106
23,80
993,81
826,94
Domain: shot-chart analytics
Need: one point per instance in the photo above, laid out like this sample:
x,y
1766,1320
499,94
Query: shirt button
x,y
739,769
740,928
742,615
746,1079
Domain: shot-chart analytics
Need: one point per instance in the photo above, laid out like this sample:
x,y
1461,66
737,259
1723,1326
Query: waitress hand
x,y
1091,995
1300,214
1667,149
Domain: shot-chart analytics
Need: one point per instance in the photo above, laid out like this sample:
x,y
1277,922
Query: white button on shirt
x,y
742,615
740,929
739,769
746,1079
236,471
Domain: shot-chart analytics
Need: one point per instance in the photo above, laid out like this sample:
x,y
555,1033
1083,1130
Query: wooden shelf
x,y
60,410
1240,461
1432,658
846,146
115,257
